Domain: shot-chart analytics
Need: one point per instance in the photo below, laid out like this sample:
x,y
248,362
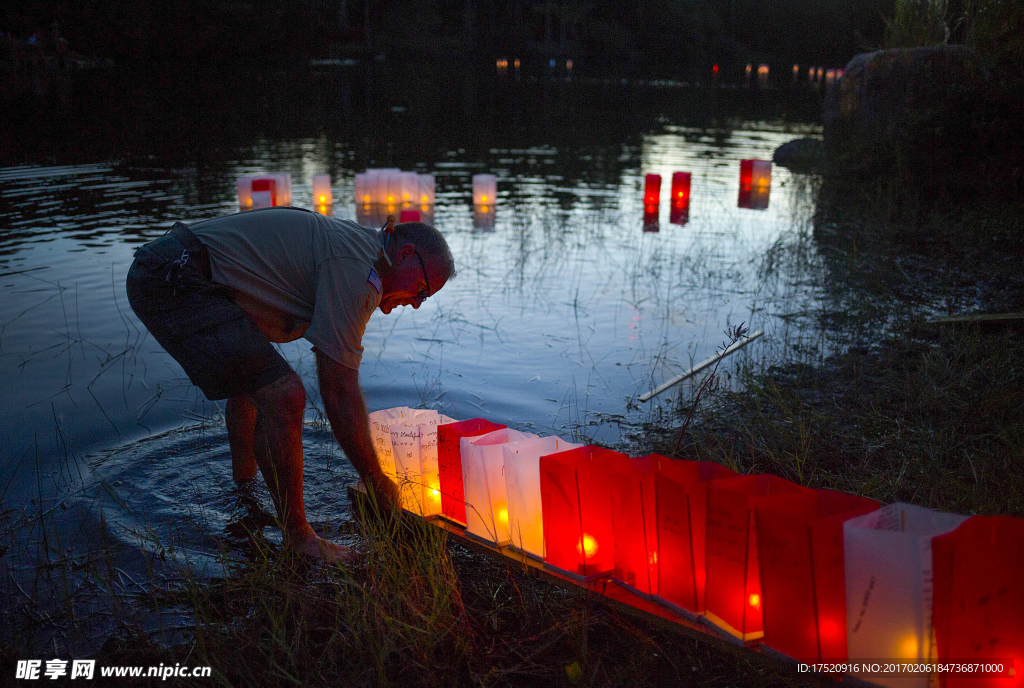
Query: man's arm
x,y
346,411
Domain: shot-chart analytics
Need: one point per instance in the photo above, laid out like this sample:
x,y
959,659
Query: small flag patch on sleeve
x,y
374,280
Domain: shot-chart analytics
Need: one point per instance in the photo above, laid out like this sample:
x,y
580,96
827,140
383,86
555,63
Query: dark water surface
x,y
561,316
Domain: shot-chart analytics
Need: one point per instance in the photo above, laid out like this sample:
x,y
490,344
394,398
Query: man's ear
x,y
406,251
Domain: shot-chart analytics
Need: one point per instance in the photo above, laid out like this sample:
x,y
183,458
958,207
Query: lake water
x,y
563,312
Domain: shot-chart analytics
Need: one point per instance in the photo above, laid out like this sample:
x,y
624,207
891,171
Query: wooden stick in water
x,y
700,366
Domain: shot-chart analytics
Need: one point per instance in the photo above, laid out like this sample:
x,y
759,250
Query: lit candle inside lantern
x,y
733,559
485,189
427,189
409,187
483,479
244,188
888,562
576,500
652,189
322,194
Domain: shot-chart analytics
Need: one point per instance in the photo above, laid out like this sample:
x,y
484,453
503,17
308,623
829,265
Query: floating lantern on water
x,y
679,211
522,485
409,187
652,189
755,183
485,189
978,601
888,563
821,72
483,480
830,77
516,63
796,73
322,195
362,190
568,65
803,580
734,596
749,71
264,191
762,74
681,494
575,489
501,64
449,464
426,192
409,216
714,72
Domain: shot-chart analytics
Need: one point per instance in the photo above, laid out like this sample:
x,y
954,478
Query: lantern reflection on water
x,y
483,480
575,490
888,563
681,494
978,600
322,190
803,580
733,595
449,460
522,485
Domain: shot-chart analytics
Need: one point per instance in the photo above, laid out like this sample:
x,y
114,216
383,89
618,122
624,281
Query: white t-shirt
x,y
298,274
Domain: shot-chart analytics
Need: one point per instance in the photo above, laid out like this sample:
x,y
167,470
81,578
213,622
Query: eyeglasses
x,y
426,292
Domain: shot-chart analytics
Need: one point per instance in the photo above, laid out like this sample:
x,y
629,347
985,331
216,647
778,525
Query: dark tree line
x,y
667,37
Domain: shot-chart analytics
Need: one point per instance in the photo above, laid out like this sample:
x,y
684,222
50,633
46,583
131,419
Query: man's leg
x,y
279,410
240,417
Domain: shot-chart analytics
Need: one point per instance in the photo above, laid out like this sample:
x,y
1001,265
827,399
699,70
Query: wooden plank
x,y
736,346
979,319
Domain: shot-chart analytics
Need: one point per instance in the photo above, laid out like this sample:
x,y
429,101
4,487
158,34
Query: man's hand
x,y
346,411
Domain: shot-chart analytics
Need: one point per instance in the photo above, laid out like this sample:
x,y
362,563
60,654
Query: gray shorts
x,y
221,349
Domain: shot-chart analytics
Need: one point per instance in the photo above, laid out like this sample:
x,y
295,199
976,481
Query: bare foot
x,y
325,550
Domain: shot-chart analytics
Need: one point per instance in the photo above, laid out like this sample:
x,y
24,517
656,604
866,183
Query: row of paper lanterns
x,y
754,192
814,574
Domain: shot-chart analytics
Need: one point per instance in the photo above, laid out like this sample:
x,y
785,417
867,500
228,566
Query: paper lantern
x,y
264,192
575,489
449,463
681,189
821,72
380,435
762,74
755,184
427,189
362,190
888,563
414,445
681,494
409,216
803,583
409,184
749,70
522,486
485,189
634,519
244,187
483,479
978,605
796,73
733,596
652,190
322,190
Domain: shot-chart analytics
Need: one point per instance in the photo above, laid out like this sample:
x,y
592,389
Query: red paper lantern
x,y
978,604
634,518
681,512
449,464
733,573
681,189
746,173
652,190
409,216
803,581
266,185
576,500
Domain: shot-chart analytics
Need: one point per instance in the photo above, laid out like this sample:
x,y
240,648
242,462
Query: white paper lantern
x,y
244,187
427,189
485,189
362,193
414,443
888,561
380,435
522,486
409,187
322,190
483,482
